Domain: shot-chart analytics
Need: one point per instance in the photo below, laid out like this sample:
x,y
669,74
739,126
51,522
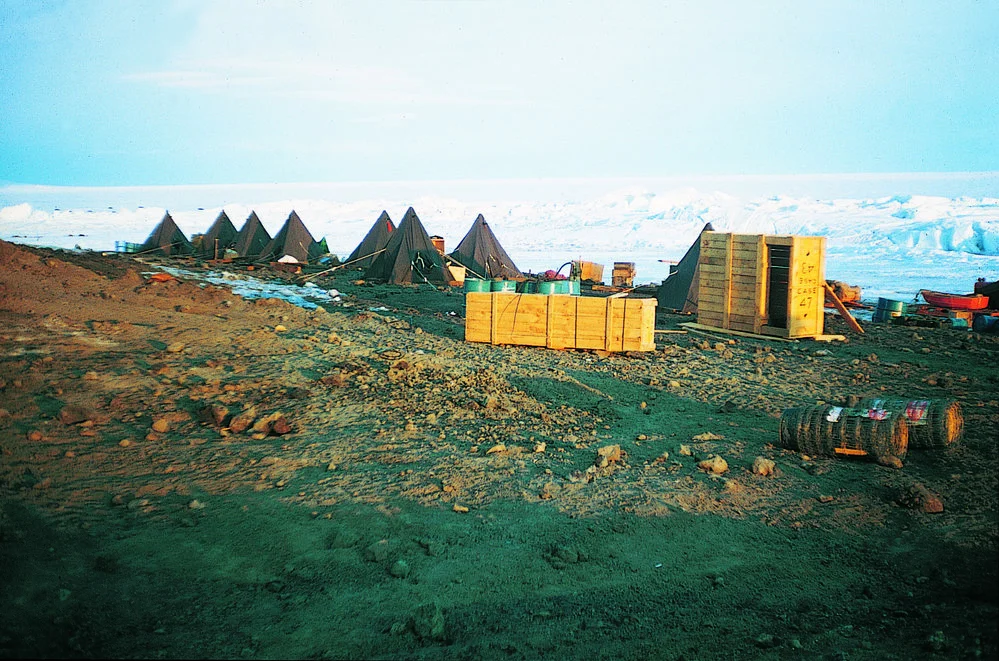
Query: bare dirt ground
x,y
185,473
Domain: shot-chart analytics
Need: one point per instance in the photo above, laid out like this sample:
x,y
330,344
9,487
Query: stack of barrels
x,y
876,428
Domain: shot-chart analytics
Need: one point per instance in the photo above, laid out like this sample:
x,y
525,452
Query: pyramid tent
x,y
295,240
679,290
252,239
481,253
376,239
221,235
409,256
167,239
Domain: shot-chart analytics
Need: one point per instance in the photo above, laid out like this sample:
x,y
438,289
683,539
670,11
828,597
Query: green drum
x,y
887,308
574,287
505,286
477,285
529,287
547,288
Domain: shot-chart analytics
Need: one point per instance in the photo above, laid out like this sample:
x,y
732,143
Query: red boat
x,y
955,301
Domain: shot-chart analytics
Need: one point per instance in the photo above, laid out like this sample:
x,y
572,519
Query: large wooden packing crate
x,y
561,322
756,283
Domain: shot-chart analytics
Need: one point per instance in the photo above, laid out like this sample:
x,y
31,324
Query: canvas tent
x,y
293,240
252,239
679,290
409,256
376,239
481,253
167,239
220,236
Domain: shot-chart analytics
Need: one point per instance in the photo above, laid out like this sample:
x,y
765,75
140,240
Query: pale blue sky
x,y
195,91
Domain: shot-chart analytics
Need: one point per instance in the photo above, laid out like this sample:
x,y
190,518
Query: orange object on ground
x,y
955,301
162,277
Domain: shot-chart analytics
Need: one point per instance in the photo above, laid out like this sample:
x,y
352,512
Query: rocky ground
x,y
186,473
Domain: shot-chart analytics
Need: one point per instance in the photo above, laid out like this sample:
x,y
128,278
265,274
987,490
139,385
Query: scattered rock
x,y
161,426
195,505
242,422
34,435
214,414
713,464
891,461
826,499
72,414
125,443
763,466
917,496
460,509
685,451
641,437
540,447
607,455
708,436
766,641
275,423
280,328
175,347
377,552
499,447
427,621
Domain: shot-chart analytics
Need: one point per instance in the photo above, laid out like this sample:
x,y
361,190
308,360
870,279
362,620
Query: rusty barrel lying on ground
x,y
835,431
933,423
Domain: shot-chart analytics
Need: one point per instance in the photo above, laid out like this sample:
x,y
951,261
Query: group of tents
x,y
222,239
400,254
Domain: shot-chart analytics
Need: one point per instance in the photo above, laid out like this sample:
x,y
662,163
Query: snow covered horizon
x,y
941,237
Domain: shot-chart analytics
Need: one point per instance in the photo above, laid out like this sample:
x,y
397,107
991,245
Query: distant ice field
x,y
890,234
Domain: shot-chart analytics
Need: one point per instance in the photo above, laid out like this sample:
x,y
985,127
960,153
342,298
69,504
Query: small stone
x,y
124,443
400,569
243,421
195,505
161,426
540,447
34,435
73,414
331,466
410,426
641,437
427,621
499,447
713,464
826,499
765,641
460,509
280,328
673,384
642,405
685,451
69,454
823,352
708,436
606,455
175,347
891,461
763,466
90,376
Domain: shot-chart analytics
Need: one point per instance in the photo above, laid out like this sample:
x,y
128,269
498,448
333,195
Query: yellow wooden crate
x,y
756,283
561,322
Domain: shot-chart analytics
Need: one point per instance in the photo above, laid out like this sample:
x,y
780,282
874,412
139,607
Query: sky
x,y
169,92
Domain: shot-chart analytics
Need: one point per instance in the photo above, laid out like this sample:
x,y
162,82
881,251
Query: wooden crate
x,y
590,271
755,283
561,322
623,274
